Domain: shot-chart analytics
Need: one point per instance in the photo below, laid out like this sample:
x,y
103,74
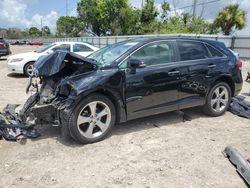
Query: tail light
x,y
2,45
239,63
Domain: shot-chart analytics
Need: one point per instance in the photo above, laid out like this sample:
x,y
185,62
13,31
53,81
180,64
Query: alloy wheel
x,y
220,99
94,119
30,69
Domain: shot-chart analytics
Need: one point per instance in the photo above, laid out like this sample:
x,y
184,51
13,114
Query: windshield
x,y
44,48
106,56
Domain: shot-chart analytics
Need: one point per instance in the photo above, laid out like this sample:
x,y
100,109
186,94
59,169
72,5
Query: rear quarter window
x,y
214,52
192,50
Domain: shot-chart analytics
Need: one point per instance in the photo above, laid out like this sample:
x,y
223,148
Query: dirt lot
x,y
138,154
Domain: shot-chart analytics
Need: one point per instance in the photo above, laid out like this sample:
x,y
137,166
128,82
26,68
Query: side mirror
x,y
136,63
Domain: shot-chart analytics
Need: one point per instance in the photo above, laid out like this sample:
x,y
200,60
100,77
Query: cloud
x,y
13,14
49,20
136,3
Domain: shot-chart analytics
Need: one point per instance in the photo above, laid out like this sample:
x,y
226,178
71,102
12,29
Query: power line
x,y
198,4
194,8
67,8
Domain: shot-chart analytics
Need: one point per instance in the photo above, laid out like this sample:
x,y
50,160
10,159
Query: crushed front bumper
x,y
12,128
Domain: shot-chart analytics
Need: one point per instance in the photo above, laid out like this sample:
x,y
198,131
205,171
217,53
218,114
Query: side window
x,y
81,48
65,47
190,50
155,53
214,52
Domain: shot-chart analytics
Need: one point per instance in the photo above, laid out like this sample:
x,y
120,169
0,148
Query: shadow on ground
x,y
151,122
14,75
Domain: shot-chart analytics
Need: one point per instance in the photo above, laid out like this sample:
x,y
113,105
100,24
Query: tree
x,y
186,23
68,26
230,18
149,13
34,32
46,31
113,17
165,11
129,21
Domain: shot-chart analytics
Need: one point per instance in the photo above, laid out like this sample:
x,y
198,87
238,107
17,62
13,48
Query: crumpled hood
x,y
53,63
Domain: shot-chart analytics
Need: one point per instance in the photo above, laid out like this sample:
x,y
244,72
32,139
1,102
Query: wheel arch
x,y
114,98
229,81
32,61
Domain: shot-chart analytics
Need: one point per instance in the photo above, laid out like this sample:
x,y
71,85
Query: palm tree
x,y
231,17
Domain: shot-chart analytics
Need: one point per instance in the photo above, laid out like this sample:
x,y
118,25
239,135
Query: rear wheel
x,y
218,99
28,69
92,119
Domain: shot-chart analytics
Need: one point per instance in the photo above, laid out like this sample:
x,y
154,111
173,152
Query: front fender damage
x,y
54,93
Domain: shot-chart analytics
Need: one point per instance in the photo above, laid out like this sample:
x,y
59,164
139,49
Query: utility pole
x,y
194,8
66,7
42,26
142,3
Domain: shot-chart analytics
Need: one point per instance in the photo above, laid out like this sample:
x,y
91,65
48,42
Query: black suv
x,y
132,79
4,48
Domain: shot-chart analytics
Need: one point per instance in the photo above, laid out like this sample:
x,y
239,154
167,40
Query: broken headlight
x,y
67,89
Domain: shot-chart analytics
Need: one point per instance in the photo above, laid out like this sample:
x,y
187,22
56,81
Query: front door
x,y
154,88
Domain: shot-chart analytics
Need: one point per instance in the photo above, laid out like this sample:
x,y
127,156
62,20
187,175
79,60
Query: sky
x,y
27,13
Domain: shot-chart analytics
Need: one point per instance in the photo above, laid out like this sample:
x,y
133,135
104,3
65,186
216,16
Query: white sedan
x,y
23,63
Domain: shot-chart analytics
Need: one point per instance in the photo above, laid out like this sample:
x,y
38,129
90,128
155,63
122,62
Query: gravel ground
x,y
138,154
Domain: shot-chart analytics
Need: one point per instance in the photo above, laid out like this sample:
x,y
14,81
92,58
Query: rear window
x,y
191,50
64,47
214,52
81,48
3,41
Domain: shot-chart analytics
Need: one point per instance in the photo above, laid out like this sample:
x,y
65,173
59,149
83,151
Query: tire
x,y
27,70
85,126
218,99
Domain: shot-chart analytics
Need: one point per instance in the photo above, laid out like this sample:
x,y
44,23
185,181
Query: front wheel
x,y
92,119
218,99
28,69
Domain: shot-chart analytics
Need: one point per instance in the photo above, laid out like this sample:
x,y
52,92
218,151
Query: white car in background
x,y
23,63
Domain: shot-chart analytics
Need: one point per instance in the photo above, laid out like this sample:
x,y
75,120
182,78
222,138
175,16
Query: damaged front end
x,y
53,91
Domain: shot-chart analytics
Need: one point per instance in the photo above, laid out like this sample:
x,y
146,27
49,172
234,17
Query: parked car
x,y
4,48
23,63
133,79
20,42
37,43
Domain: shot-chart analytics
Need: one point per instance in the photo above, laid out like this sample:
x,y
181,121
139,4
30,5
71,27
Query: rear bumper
x,y
4,52
238,87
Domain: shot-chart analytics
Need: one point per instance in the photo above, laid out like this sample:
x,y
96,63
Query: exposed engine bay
x,y
51,91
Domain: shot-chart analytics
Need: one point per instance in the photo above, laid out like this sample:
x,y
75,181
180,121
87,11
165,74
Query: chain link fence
x,y
240,44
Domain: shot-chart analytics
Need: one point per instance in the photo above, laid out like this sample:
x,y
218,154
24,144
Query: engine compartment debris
x,y
52,87
12,128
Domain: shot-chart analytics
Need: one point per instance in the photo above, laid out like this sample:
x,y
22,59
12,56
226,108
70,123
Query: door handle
x,y
173,72
211,66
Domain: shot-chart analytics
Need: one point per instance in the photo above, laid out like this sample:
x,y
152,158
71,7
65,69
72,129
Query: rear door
x,y
198,69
